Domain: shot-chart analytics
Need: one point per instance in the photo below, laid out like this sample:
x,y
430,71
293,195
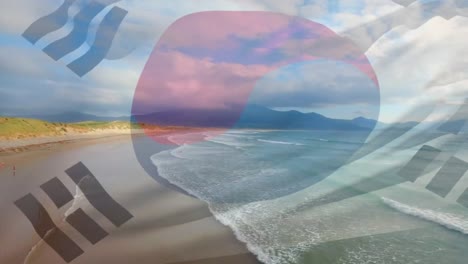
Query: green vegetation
x,y
104,125
16,128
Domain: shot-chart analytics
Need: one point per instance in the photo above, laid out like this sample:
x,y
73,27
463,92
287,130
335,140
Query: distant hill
x,y
253,116
365,122
262,117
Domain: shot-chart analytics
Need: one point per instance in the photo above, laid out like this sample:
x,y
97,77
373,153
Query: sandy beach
x,y
167,227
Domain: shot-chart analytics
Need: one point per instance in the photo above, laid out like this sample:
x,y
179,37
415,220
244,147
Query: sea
x,y
312,197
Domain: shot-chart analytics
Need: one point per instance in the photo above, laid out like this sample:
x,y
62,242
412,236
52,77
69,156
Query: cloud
x,y
407,61
17,15
197,65
173,78
316,84
421,64
34,83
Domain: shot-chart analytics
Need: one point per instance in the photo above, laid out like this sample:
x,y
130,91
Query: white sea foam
x,y
191,152
230,133
256,225
215,169
247,131
187,137
450,221
280,142
252,223
228,141
271,228
177,139
337,141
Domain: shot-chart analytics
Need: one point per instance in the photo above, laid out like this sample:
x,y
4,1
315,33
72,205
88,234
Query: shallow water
x,y
273,189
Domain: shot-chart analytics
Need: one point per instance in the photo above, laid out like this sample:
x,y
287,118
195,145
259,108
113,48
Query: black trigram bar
x,y
86,226
46,228
97,196
416,166
463,200
448,176
57,192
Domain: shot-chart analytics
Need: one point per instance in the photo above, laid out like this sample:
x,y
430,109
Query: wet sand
x,y
167,227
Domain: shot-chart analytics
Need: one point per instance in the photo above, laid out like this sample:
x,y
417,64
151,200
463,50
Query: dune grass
x,y
26,128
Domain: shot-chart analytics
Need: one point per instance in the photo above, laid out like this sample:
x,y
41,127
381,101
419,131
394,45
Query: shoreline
x,y
23,145
181,229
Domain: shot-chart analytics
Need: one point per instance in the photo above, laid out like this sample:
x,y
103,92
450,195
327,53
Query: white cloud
x,y
429,55
405,60
17,15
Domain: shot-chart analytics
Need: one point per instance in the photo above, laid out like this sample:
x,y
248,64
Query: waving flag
x,y
256,131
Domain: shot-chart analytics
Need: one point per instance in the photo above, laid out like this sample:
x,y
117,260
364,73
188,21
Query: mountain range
x,y
252,116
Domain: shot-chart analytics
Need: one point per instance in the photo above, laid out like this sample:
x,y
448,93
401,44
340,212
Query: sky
x,y
416,61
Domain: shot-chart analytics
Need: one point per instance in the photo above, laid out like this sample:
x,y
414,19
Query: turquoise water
x,y
269,188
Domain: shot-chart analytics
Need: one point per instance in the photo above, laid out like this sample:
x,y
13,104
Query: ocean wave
x,y
184,138
273,254
228,141
280,142
248,131
260,236
174,140
450,221
194,152
238,137
337,141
